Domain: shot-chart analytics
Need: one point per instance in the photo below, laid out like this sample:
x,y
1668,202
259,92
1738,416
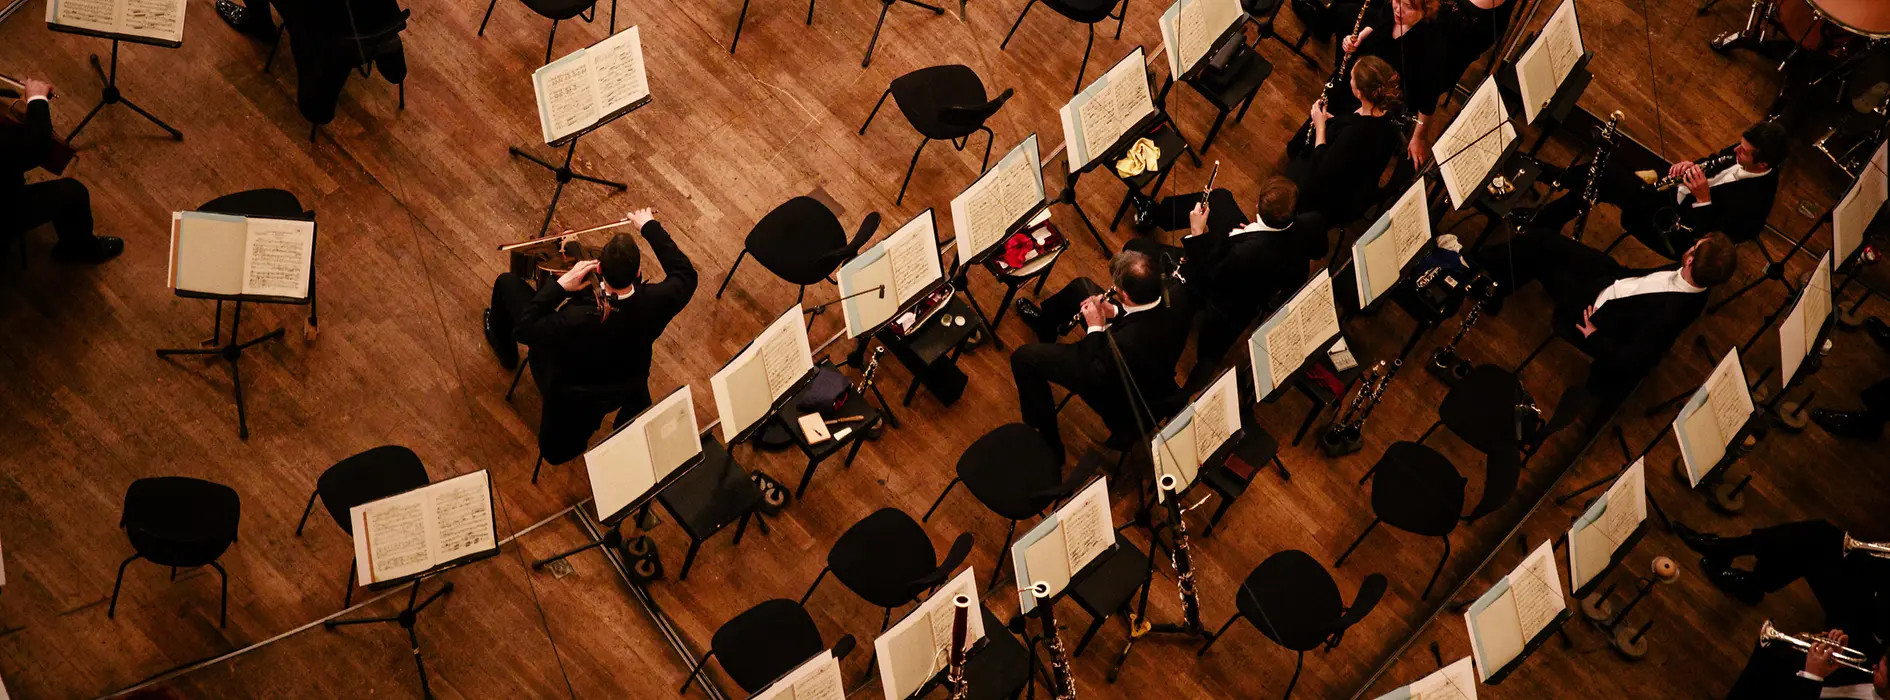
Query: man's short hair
x,y
619,261
1768,143
1278,198
1136,275
1714,259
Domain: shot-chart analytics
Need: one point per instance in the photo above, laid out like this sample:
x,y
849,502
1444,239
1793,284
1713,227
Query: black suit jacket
x,y
591,365
23,147
1242,276
1739,208
1151,342
1631,334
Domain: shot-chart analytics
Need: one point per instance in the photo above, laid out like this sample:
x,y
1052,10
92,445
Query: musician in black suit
x,y
1734,197
1149,333
590,359
1780,672
1235,268
1622,318
65,202
328,38
1339,163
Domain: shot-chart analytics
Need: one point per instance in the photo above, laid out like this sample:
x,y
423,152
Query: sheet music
x,y
1454,682
396,533
567,96
1406,228
617,63
1173,448
1860,205
669,430
98,15
462,510
985,211
1473,144
1099,116
1216,417
620,469
913,253
207,252
1626,504
1495,631
1800,329
1196,24
159,19
1541,68
278,257
1538,590
1046,558
1305,324
817,678
785,353
1085,524
1727,395
918,647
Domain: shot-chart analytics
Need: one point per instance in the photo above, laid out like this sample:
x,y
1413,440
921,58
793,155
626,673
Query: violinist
x,y
26,141
591,333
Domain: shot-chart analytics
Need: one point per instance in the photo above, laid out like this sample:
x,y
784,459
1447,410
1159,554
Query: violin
x,y
13,111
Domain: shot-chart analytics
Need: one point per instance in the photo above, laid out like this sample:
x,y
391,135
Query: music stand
x,y
232,351
111,95
564,173
613,537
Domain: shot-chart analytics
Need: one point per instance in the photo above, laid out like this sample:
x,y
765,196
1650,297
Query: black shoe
x,y
1879,331
238,17
1713,547
98,250
1033,317
504,348
1851,424
1736,582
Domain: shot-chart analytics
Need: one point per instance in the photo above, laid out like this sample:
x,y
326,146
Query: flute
x,y
560,236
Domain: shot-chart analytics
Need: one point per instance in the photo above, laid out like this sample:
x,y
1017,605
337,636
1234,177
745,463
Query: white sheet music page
x,y
207,252
817,678
620,470
567,95
1173,448
1085,523
1538,590
670,432
1496,636
785,352
1100,115
1198,24
913,252
1627,504
917,647
1852,215
1216,416
1542,67
391,537
1800,329
617,63
1454,682
1473,143
156,19
462,517
278,257
984,212
868,280
1409,227
96,15
1728,398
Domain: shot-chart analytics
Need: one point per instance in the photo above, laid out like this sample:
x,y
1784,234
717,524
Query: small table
x,y
788,418
931,352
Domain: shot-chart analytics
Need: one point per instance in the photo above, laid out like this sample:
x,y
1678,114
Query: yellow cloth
x,y
1143,157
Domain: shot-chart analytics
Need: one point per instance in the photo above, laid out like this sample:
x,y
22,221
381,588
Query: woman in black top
x,y
1339,175
1475,25
1409,36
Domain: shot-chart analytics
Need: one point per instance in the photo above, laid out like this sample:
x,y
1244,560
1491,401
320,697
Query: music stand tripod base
x,y
406,618
564,174
231,352
111,95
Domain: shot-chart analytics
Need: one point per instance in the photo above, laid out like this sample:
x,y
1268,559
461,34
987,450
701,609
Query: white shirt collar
x,y
1257,225
1126,310
1656,283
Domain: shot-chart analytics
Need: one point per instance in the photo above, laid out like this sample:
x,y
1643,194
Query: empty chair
x,y
1262,15
1236,86
557,11
942,103
887,559
802,242
1087,12
364,478
1257,448
1414,489
1012,471
764,642
1109,587
1293,601
179,522
1000,669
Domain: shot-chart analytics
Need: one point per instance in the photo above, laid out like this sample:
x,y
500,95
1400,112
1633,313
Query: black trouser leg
x,y
64,202
1224,213
510,295
1034,368
1058,308
1218,334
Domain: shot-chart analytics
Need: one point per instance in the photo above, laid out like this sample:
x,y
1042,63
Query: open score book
x,y
427,527
1607,525
643,453
1063,543
817,678
771,366
998,201
1390,243
1515,611
1104,112
1293,333
1474,143
1190,28
1710,420
1798,334
143,21
906,264
920,646
235,255
1194,434
1542,67
591,86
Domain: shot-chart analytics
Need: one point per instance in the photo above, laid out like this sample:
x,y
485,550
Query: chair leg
x,y
515,377
810,13
941,499
347,597
688,559
113,609
739,20
816,584
1002,551
1016,24
1355,543
1119,18
551,40
1438,570
914,165
693,672
1214,130
482,23
1298,662
403,95
1226,503
535,468
1083,67
875,112
1427,432
305,511
989,136
277,46
885,6
731,273
223,609
1094,624
1217,635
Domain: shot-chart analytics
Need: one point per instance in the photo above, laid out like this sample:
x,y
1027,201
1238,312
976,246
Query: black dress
x,y
1473,30
1339,178
1421,57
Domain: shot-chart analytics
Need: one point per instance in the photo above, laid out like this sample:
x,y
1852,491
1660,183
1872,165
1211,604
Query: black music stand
x,y
232,351
111,94
564,173
1554,115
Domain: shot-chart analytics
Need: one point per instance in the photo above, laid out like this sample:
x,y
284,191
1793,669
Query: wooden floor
x,y
411,204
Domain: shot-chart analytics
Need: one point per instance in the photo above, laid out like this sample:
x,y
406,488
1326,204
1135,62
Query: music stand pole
x,y
1775,269
231,352
111,95
406,619
564,174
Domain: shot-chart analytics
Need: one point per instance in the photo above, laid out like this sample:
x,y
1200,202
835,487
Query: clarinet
x,y
1348,430
1592,193
1713,164
1062,682
955,673
1182,557
872,366
1365,387
1341,73
1446,359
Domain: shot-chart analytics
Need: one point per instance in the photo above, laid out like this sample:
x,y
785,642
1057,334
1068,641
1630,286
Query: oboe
x,y
1592,193
1341,73
1183,558
1063,683
955,672
1712,164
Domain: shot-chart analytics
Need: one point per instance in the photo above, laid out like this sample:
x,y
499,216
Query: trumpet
x,y
1843,656
1875,549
